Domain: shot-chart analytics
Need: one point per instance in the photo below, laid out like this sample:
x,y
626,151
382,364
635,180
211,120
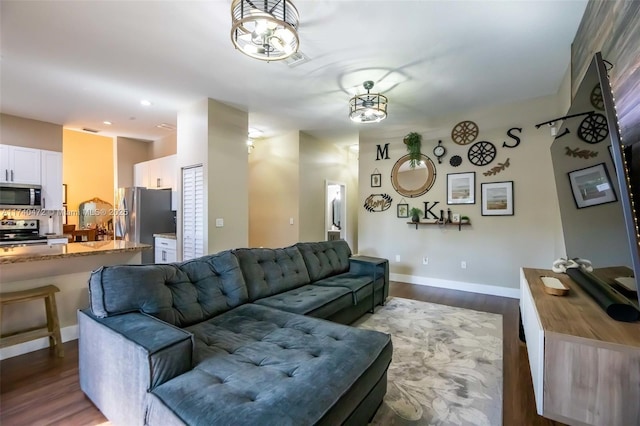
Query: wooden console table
x,y
585,366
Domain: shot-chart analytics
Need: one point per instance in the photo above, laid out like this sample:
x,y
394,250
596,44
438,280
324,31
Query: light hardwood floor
x,y
39,389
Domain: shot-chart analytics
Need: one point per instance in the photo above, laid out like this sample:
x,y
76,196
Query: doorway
x,y
336,210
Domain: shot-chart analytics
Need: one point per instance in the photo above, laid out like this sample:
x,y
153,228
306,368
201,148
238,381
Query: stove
x,y
20,231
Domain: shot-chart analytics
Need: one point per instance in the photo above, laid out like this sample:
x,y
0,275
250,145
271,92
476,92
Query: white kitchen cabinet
x,y
140,174
19,165
165,250
161,173
51,173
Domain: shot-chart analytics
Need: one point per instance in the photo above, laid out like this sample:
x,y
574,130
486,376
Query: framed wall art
x,y
497,198
376,180
403,210
461,188
591,186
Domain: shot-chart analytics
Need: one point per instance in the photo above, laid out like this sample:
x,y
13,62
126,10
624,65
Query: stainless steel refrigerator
x,y
144,212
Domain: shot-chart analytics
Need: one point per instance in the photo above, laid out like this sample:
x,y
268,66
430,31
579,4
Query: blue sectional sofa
x,y
241,337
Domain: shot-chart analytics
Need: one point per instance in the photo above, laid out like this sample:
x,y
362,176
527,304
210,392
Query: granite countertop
x,y
32,253
171,236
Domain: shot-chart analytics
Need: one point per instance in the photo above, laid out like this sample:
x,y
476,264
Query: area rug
x,y
446,367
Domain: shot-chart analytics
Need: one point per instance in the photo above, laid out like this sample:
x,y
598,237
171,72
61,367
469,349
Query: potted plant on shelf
x,y
464,219
413,141
415,214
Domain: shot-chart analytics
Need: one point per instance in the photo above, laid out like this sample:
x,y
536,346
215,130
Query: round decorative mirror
x,y
413,182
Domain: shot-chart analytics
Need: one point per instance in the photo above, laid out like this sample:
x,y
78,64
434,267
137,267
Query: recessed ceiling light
x,y
254,133
145,102
108,123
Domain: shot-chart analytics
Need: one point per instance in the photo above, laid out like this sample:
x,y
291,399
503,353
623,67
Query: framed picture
x,y
461,188
591,186
403,210
497,199
376,180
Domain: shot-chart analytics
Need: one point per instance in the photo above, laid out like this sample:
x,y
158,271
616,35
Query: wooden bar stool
x,y
52,330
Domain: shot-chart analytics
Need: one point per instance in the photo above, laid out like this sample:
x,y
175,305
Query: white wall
x,y
494,247
214,135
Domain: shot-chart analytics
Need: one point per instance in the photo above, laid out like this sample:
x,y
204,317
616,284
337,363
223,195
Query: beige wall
x,y
127,153
494,247
214,135
164,146
287,180
273,191
322,161
29,133
227,177
88,169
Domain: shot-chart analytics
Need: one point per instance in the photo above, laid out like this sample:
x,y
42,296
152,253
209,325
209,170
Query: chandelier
x,y
265,29
368,108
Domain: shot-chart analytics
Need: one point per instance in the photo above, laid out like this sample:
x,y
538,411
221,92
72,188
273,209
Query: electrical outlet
x,y
397,258
425,260
219,223
463,264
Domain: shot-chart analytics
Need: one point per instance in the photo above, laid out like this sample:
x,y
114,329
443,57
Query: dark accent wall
x,y
613,28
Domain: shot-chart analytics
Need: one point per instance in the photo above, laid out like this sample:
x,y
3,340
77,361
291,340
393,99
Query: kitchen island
x,y
67,266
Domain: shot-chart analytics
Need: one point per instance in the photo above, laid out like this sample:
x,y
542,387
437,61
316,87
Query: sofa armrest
x,y
122,357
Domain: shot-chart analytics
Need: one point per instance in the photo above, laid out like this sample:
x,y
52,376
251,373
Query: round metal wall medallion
x,y
596,98
593,128
482,153
455,161
464,132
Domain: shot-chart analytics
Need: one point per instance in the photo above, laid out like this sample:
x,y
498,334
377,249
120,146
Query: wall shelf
x,y
458,224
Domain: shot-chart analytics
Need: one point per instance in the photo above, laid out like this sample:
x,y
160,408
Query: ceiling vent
x,y
296,59
166,126
86,129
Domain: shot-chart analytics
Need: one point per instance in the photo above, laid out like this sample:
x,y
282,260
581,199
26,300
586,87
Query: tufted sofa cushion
x,y
325,258
271,271
262,366
180,294
312,300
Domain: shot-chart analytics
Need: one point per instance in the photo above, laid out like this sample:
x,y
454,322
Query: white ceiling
x,y
78,63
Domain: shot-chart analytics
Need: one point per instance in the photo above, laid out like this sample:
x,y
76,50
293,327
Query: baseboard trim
x,y
71,332
513,293
68,333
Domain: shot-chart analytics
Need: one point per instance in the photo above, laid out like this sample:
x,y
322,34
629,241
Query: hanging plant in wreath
x,y
413,141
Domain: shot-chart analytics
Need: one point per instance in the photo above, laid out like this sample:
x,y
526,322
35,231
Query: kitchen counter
x,y
163,235
68,267
30,253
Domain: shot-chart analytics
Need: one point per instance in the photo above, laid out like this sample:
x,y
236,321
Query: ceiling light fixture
x,y
368,108
108,123
265,29
254,133
145,102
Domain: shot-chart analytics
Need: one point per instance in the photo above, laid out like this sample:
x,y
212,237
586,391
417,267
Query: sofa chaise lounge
x,y
239,337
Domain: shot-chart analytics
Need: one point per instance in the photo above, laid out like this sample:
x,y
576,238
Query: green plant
x,y
413,141
464,218
415,214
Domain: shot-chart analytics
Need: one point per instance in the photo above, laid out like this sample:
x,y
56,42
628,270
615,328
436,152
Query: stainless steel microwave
x,y
18,196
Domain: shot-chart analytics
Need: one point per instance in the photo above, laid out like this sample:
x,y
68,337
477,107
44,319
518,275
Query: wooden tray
x,y
554,286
